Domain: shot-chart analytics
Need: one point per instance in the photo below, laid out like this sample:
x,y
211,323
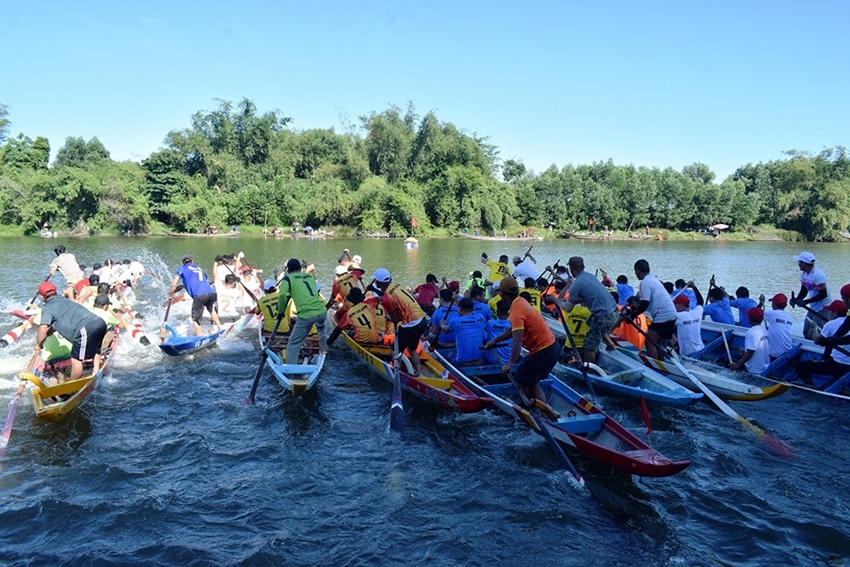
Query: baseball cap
x,y
845,291
269,284
46,289
755,313
454,285
682,299
838,306
188,258
508,285
382,275
357,259
779,299
339,270
355,295
516,260
356,268
805,257
101,299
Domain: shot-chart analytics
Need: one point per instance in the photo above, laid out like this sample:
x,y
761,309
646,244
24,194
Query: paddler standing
x,y
199,289
301,287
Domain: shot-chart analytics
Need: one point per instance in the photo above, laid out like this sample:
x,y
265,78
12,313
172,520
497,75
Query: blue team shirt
x,y
469,336
743,305
482,309
719,311
624,291
439,315
494,328
194,280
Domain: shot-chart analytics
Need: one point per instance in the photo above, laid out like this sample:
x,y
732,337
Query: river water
x,y
166,465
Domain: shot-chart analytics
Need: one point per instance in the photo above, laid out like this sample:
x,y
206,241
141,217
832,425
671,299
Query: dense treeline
x,y
235,165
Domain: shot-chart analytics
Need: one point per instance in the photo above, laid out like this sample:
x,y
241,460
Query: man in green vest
x,y
301,287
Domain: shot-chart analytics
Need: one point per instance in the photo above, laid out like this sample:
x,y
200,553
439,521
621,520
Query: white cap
x,y
382,275
805,257
339,270
357,259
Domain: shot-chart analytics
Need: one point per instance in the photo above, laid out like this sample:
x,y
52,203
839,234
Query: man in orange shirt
x,y
360,318
401,307
529,330
627,331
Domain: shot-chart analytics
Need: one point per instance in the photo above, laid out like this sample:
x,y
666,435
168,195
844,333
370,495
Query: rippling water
x,y
166,465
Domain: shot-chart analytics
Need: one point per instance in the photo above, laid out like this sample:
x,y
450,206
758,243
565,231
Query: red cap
x,y
755,313
46,289
845,291
838,306
682,299
780,299
607,282
454,285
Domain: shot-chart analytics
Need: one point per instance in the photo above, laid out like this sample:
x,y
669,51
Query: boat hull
x,y
296,378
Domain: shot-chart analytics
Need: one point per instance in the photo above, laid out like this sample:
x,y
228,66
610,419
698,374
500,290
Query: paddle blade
x,y
645,414
10,420
778,447
397,410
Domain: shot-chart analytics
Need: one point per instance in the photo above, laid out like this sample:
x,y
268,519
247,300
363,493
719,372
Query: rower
x,y
468,328
779,325
814,293
496,327
688,324
426,294
833,363
360,318
743,303
756,357
447,307
529,330
66,264
401,307
656,302
77,324
301,287
199,289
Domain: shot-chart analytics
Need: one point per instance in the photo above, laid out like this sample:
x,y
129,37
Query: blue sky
x,y
649,83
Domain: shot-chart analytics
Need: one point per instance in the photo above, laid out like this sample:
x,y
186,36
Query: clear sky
x,y
650,83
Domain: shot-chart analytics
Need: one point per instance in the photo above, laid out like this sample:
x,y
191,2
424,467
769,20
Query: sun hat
x,y
805,257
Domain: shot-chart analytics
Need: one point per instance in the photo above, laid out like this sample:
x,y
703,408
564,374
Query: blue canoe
x,y
176,344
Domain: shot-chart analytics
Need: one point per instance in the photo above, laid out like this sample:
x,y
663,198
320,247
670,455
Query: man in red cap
x,y
755,358
529,330
81,327
833,363
688,325
779,325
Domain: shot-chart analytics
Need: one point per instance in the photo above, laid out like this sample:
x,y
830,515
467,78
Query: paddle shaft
x,y
397,407
13,408
238,279
250,399
34,297
538,421
577,356
440,328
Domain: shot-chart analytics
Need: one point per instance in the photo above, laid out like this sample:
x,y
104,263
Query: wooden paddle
x,y
538,421
264,355
397,408
13,408
816,314
238,279
778,446
167,312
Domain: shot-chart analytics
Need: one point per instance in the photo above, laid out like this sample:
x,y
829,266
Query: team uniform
x,y
498,270
413,322
811,281
361,320
311,310
535,300
425,296
719,311
587,290
743,304
756,341
838,365
199,289
578,324
624,292
482,309
525,269
469,337
688,330
66,264
493,329
778,332
543,350
446,337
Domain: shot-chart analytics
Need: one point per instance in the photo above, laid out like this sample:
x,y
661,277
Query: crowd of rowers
x,y
480,316
80,321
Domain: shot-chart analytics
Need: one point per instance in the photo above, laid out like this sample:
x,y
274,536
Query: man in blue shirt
x,y
718,307
743,303
199,289
468,328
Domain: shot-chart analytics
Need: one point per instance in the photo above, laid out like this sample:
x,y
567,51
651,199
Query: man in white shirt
x,y
814,292
66,264
779,325
524,268
656,302
833,363
755,358
688,326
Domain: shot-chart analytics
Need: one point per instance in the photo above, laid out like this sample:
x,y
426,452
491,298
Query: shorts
x,y
88,340
408,337
537,366
598,327
664,329
204,301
